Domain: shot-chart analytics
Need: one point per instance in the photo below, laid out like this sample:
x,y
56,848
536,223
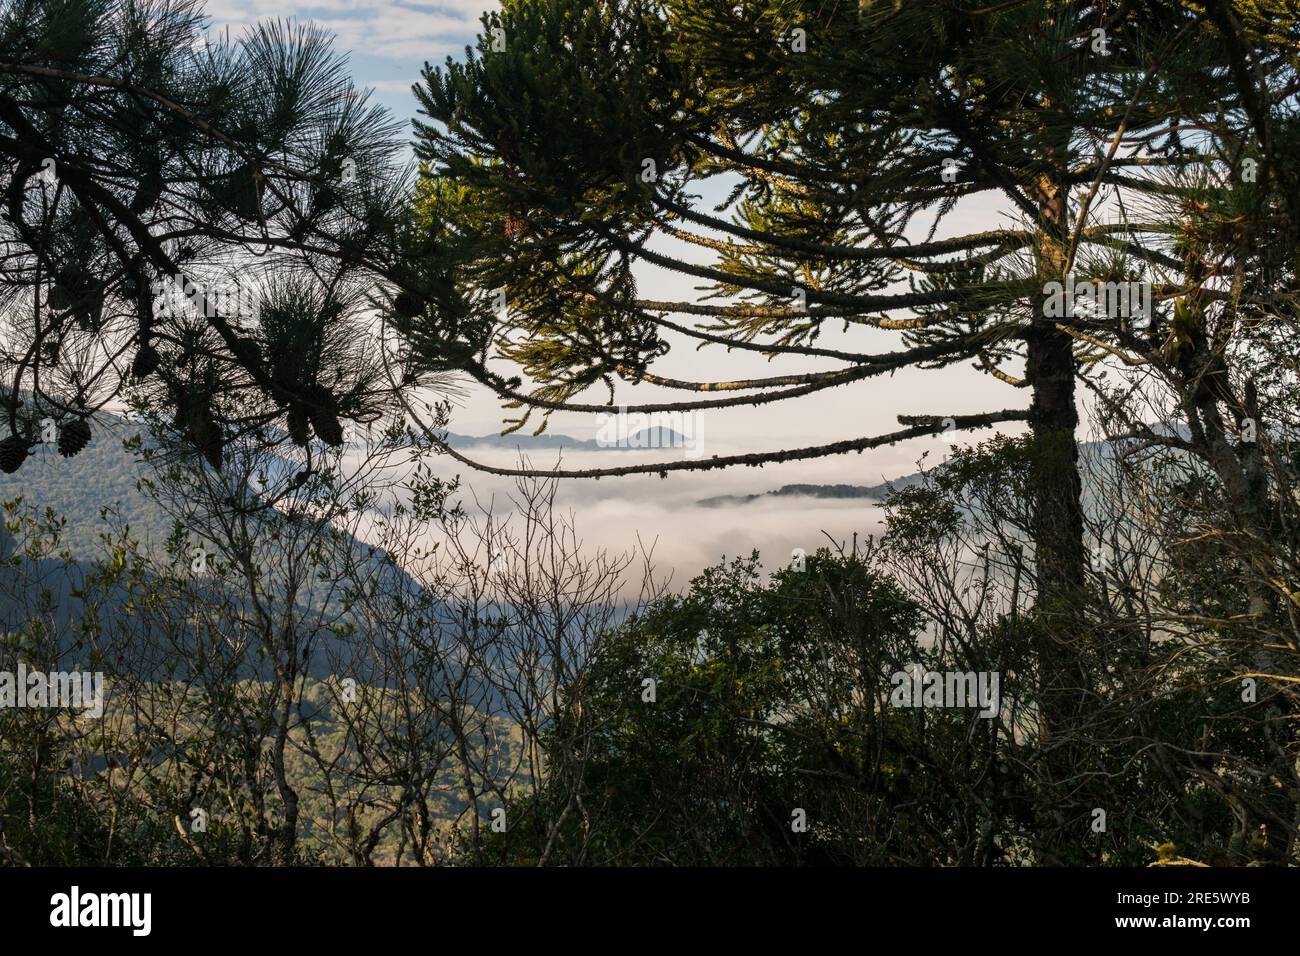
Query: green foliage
x,y
769,698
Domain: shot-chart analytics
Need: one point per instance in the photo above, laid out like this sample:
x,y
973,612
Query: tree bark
x,y
1055,490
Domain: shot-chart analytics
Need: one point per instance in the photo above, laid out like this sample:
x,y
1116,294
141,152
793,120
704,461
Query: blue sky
x,y
387,41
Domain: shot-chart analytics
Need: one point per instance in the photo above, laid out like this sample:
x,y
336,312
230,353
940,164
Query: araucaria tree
x,y
578,137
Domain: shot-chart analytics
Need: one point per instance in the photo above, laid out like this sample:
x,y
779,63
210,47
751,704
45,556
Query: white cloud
x,y
388,29
612,513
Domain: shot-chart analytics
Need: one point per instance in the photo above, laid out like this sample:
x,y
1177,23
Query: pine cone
x,y
324,418
507,149
213,451
73,437
146,361
298,425
148,193
325,199
206,435
89,313
65,291
240,191
13,452
408,305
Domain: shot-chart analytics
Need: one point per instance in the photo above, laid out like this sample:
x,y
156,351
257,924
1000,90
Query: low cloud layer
x,y
665,513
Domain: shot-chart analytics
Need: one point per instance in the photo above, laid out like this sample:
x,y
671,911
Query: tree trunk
x,y
1055,491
